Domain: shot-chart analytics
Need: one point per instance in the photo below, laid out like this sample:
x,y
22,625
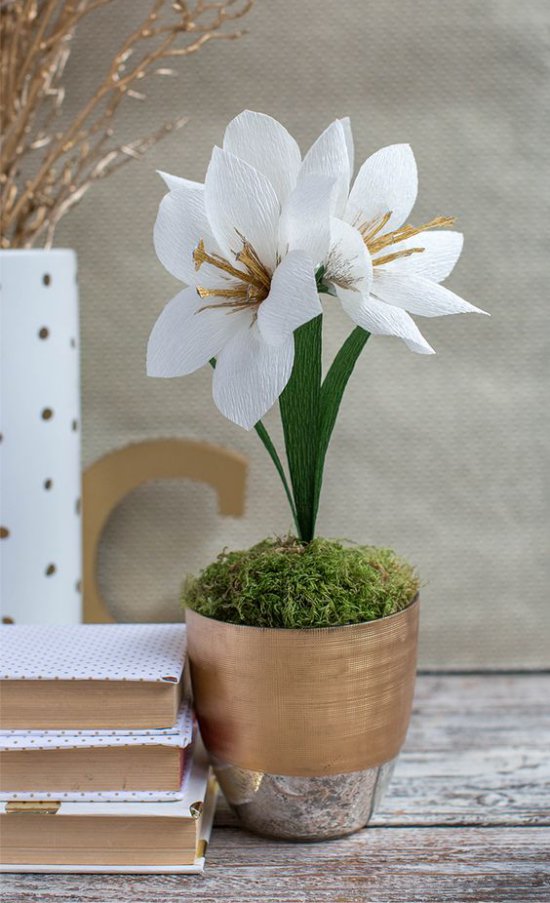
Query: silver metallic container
x,y
303,809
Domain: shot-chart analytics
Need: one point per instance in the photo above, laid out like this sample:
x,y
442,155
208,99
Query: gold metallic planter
x,y
303,725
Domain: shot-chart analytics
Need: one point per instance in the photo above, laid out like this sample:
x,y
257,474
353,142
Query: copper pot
x,y
304,726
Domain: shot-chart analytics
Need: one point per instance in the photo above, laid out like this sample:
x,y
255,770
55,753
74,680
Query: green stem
x,y
272,452
332,392
299,406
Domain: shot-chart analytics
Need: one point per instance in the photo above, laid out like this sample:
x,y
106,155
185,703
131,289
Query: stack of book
x,y
100,768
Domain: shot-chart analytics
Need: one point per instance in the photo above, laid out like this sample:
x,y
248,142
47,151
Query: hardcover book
x,y
86,764
53,835
91,676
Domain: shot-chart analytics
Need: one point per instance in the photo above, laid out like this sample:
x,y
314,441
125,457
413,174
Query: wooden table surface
x,y
467,818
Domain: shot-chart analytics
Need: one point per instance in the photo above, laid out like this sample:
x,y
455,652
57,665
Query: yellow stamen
x,y
387,258
221,292
369,230
391,238
201,256
254,266
254,280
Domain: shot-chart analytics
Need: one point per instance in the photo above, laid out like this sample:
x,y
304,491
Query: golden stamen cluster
x,y
376,242
254,279
45,171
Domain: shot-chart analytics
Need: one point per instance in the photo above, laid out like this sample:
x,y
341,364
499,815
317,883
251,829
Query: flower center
x,y
253,280
377,243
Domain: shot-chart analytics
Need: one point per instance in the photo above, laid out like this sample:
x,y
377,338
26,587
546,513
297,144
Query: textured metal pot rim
x,y
309,630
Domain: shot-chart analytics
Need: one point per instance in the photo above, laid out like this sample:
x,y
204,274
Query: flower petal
x,y
240,201
250,375
185,337
328,156
175,182
305,218
292,300
348,265
181,223
267,146
346,125
387,182
419,295
441,252
383,319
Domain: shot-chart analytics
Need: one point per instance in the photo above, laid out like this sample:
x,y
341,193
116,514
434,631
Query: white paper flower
x,y
381,269
247,244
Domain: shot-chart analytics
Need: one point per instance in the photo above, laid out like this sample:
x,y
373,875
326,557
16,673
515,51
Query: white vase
x,y
40,526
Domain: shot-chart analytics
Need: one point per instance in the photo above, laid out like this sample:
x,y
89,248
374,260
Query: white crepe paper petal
x,y
329,156
387,182
383,319
305,218
349,265
175,182
441,252
250,375
240,201
185,337
419,295
346,125
181,222
266,145
292,301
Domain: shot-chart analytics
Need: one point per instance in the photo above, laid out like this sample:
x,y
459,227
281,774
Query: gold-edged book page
x,y
91,768
81,839
88,704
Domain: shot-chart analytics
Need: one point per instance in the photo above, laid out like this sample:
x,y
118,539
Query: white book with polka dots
x,y
91,676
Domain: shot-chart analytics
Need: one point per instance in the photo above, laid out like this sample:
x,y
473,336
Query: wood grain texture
x,y
467,818
405,865
476,754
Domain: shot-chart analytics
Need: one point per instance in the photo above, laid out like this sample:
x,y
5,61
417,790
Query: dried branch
x,y
44,172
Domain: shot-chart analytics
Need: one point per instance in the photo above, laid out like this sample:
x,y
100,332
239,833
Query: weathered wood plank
x,y
476,754
379,865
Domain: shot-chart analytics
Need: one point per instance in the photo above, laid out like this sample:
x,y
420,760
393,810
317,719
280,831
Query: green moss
x,y
286,583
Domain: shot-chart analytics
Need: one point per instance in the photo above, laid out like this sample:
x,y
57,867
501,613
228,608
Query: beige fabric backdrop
x,y
444,458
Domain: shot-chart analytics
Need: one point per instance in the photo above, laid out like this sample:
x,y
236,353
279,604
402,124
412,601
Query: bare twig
x,y
44,172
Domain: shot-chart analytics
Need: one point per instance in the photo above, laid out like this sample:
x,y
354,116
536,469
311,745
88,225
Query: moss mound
x,y
286,583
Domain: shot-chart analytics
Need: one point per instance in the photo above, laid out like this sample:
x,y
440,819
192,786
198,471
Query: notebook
x,y
132,837
90,676
95,765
